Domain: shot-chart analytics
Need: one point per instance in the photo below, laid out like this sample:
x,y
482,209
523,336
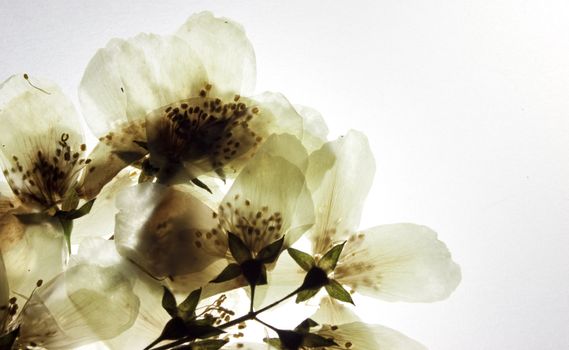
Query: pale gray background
x,y
465,103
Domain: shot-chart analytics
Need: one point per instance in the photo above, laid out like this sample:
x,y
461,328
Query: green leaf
x,y
169,303
305,261
174,329
200,184
238,249
71,200
330,259
67,226
290,340
337,291
7,340
77,213
210,344
230,272
271,252
312,340
187,308
195,330
305,325
306,294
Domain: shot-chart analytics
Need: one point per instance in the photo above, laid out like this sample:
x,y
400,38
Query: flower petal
x,y
166,231
4,291
130,78
332,311
358,335
87,303
315,130
40,254
269,198
339,176
225,51
399,262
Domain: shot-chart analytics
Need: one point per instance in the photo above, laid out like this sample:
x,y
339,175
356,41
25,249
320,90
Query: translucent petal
x,y
399,262
315,130
288,147
4,291
165,231
358,335
86,304
130,78
268,199
225,51
332,311
40,254
339,176
100,222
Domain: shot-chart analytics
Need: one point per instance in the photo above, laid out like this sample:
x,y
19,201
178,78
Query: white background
x,y
465,103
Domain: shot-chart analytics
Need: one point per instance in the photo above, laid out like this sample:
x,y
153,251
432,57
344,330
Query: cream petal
x,y
358,335
339,176
269,198
288,147
225,51
39,255
86,304
332,311
130,78
101,219
4,293
40,132
165,231
315,130
398,262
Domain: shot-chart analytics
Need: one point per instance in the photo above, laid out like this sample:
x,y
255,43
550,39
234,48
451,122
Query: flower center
x,y
44,177
204,131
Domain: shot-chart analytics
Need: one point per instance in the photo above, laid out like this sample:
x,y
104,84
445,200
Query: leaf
x,y
187,308
67,226
337,291
77,213
305,325
8,339
271,252
174,329
71,200
306,294
195,330
312,340
290,340
200,184
254,272
210,344
305,261
230,272
330,259
238,249
169,303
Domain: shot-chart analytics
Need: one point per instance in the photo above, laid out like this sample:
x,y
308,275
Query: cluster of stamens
x,y
44,177
257,228
349,266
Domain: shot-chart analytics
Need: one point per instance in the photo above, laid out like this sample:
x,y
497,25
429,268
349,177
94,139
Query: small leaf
x,y
290,340
77,213
230,272
305,325
312,340
330,259
174,329
271,252
195,330
67,226
238,249
187,308
210,344
305,261
71,200
200,184
337,291
169,303
7,340
315,278
306,294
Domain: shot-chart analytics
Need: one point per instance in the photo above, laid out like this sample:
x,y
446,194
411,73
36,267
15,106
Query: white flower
x,y
180,98
168,232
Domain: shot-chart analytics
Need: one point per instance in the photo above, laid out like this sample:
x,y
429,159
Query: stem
x,y
266,324
252,298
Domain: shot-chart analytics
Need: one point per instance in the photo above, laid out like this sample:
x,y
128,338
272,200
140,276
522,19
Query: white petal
x,y
225,51
288,147
166,231
399,262
86,304
40,254
130,78
315,130
100,222
358,335
339,176
4,291
332,311
269,198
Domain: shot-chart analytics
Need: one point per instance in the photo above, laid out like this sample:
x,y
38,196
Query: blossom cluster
x,y
201,211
